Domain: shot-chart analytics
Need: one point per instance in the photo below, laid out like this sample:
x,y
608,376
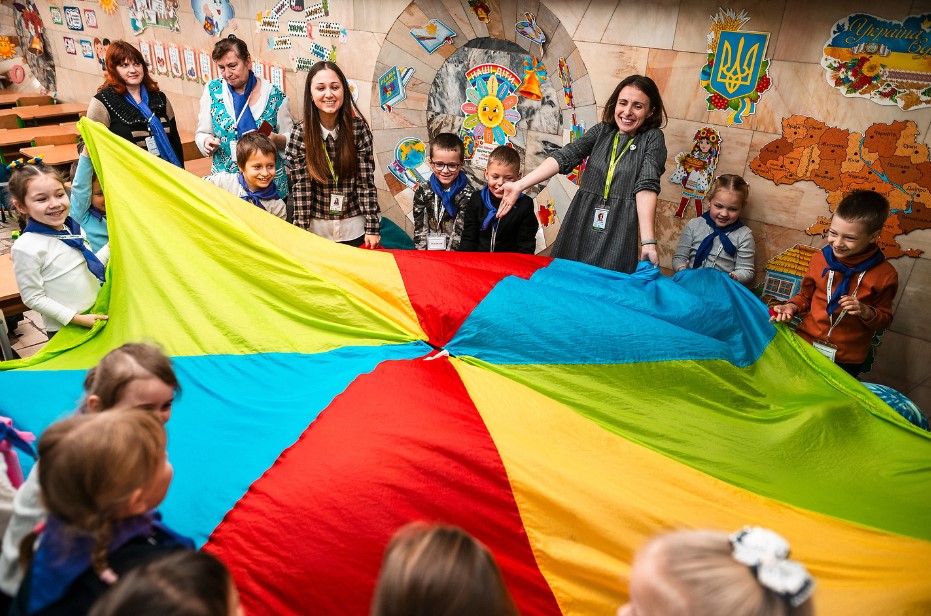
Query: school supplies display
x,y
433,35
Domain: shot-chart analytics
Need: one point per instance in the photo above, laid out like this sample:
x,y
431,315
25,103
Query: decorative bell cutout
x,y
36,45
530,87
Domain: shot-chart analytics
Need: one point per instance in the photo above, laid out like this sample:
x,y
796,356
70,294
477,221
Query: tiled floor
x,y
28,337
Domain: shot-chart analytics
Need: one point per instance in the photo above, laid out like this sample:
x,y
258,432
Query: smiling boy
x,y
439,206
847,293
255,182
483,231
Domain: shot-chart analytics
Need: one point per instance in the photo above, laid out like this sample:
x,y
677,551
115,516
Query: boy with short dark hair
x,y
847,293
439,207
483,231
255,182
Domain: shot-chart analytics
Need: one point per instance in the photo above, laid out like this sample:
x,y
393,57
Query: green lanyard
x,y
333,171
612,165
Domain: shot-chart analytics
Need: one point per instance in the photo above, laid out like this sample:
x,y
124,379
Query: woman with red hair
x,y
130,104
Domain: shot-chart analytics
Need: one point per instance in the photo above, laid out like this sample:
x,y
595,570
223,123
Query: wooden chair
x,y
26,101
55,140
10,121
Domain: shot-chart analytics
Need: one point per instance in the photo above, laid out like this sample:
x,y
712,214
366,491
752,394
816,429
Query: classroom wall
x,y
603,41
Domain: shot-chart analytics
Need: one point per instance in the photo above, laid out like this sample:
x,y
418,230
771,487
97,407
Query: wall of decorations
x,y
828,97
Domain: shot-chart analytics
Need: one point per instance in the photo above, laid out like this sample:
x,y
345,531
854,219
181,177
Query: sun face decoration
x,y
7,49
489,109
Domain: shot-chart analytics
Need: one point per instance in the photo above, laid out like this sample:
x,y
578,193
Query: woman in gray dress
x,y
626,156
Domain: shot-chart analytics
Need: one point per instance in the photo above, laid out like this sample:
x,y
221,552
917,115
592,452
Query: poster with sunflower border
x,y
490,108
883,60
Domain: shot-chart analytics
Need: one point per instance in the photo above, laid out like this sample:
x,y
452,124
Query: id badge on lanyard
x,y
600,216
436,240
825,347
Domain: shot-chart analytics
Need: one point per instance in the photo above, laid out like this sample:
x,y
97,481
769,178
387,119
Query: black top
x,y
516,231
127,122
86,589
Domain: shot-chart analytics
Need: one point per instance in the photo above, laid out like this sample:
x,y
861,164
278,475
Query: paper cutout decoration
x,y
267,23
146,50
100,48
56,15
156,13
353,90
490,104
109,6
882,60
331,29
530,30
7,48
174,61
279,9
410,162
318,10
566,80
70,46
87,48
319,52
300,28
279,42
391,86
577,130
190,64
258,67
546,213
159,58
276,76
433,35
534,75
73,18
205,66
695,168
735,76
90,18
213,15
481,10
297,5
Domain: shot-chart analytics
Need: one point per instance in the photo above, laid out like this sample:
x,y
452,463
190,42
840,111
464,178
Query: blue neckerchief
x,y
256,197
492,210
447,196
165,151
64,554
7,433
846,273
96,213
704,249
242,115
72,228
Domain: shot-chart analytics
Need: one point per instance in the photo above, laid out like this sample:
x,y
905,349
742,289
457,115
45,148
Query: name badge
x,y
825,348
600,219
436,241
151,146
233,145
336,203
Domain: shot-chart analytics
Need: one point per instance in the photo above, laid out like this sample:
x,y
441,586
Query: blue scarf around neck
x,y
847,273
71,228
256,197
704,249
96,213
165,151
64,554
492,210
447,196
245,122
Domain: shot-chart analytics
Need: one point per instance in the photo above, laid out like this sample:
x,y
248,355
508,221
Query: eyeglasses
x,y
445,166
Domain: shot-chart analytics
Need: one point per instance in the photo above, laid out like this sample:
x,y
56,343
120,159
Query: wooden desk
x,y
53,154
49,113
10,302
199,166
16,136
8,99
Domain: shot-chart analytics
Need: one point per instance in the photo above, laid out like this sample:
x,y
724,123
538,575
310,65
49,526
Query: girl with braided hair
x,y
102,476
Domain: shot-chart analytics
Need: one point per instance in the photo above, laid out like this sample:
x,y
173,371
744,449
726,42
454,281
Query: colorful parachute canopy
x,y
561,413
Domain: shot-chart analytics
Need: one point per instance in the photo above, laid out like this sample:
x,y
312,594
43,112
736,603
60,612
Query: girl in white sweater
x,y
57,273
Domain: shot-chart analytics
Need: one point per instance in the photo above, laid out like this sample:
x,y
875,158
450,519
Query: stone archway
x,y
438,89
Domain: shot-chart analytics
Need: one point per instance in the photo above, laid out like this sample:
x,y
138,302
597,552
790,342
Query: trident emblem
x,y
738,62
739,70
